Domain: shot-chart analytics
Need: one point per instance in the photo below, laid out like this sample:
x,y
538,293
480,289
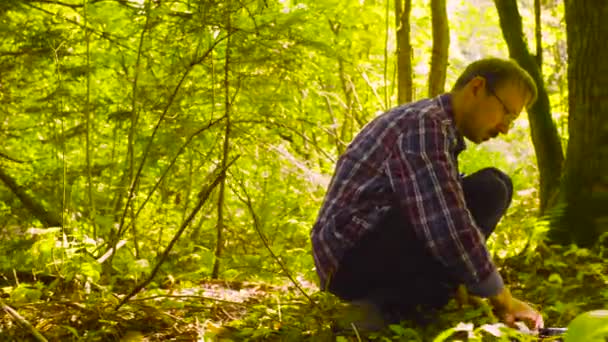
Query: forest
x,y
164,161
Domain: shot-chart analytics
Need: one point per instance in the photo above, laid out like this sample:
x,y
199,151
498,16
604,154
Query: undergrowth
x,y
563,281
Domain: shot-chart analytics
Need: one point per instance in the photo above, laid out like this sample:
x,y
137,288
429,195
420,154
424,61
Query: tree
x,y
547,145
584,188
441,43
47,217
219,243
404,51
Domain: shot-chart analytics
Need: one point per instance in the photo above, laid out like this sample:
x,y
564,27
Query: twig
x,y
22,321
5,156
170,166
203,196
188,296
356,331
60,3
149,144
256,226
16,278
111,251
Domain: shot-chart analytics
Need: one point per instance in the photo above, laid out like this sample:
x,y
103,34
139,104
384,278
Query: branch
x,y
189,296
155,130
256,226
48,218
60,3
111,251
203,196
5,156
22,321
268,123
170,166
101,34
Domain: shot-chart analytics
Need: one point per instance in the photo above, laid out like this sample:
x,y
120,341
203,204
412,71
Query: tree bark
x,y
48,218
549,154
538,34
441,43
404,51
219,244
585,182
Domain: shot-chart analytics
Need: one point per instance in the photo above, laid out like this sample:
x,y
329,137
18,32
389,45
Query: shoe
x,y
362,315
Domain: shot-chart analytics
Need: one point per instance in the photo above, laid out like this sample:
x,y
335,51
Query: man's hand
x,y
522,311
511,309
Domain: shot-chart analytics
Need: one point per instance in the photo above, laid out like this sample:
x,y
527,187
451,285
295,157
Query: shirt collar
x,y
445,101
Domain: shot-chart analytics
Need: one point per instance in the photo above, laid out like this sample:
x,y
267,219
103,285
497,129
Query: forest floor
x,y
562,281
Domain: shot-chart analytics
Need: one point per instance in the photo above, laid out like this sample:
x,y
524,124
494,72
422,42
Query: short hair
x,y
497,72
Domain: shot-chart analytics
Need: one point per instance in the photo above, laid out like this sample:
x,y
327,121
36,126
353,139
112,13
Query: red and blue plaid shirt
x,y
406,157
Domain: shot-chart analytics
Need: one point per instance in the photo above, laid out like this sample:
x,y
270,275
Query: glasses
x,y
509,116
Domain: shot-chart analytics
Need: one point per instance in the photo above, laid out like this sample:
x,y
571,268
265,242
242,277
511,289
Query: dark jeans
x,y
391,268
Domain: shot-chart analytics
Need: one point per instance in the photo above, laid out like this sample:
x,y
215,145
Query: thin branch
x,y
101,34
340,145
155,130
170,166
110,252
188,296
290,303
226,149
22,321
132,129
25,51
5,156
282,125
256,226
91,201
371,86
204,194
55,2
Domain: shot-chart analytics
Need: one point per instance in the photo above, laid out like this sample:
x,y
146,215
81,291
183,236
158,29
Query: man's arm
x,y
425,179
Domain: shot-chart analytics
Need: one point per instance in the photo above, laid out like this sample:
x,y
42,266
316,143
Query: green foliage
x,y
298,79
589,327
25,293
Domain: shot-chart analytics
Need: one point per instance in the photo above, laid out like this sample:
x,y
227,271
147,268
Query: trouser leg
x,y
488,193
391,267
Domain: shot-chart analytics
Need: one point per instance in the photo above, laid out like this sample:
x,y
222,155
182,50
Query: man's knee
x,y
499,183
488,194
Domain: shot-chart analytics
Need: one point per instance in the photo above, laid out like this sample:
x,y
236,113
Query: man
x,y
399,228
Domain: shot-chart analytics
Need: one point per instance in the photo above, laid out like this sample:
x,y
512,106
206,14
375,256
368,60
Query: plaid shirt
x,y
406,157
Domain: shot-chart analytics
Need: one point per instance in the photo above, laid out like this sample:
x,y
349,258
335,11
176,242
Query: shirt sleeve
x,y
425,178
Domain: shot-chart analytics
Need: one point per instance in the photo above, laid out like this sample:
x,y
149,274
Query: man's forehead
x,y
518,89
517,94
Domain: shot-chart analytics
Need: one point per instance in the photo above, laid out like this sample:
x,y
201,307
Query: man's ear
x,y
477,84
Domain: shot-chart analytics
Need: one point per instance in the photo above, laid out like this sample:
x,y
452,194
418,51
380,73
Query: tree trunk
x,y
585,183
441,43
549,154
404,51
48,219
538,34
219,244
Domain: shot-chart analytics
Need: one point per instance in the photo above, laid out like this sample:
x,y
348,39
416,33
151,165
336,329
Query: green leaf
x,y
590,326
444,335
72,330
24,293
400,331
92,270
555,278
397,329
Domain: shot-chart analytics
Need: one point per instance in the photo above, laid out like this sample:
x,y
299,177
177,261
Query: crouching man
x,y
399,228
